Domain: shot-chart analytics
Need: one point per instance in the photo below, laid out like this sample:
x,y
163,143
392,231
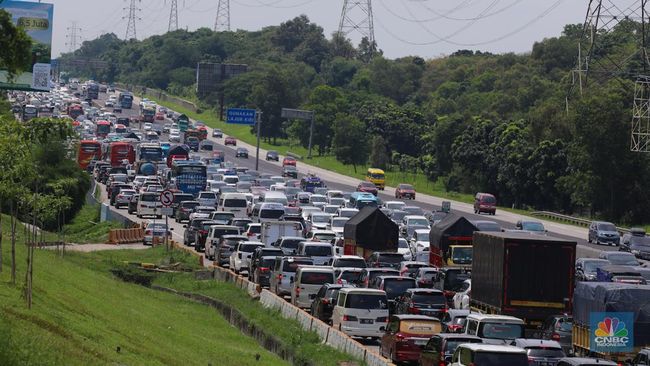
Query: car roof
x,y
414,317
482,347
457,336
481,317
530,342
357,290
589,361
424,290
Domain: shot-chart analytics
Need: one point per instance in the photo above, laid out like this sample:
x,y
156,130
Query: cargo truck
x,y
450,242
370,230
524,275
591,298
273,230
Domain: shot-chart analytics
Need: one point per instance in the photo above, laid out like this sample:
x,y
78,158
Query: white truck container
x,y
273,230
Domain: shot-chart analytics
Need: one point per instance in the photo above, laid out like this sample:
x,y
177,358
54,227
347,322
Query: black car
x,y
178,198
290,171
184,209
191,229
559,328
272,155
242,152
257,256
440,348
637,243
422,301
262,273
323,303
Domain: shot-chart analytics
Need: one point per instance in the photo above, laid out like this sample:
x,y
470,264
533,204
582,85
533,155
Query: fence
x,y
570,219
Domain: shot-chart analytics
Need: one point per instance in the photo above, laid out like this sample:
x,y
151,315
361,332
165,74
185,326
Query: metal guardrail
x,y
295,156
570,219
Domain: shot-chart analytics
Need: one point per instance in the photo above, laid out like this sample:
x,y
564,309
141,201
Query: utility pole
x,y
356,16
73,37
173,16
133,16
222,21
258,119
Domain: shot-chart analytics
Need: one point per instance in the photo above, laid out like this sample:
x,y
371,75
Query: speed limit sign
x,y
166,198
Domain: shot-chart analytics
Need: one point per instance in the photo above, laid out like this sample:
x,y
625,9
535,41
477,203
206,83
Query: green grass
x,y
81,315
307,345
85,227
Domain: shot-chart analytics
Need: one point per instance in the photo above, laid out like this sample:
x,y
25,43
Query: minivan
x,y
321,253
149,205
275,197
214,236
307,282
361,312
489,355
485,202
283,273
494,329
235,203
271,211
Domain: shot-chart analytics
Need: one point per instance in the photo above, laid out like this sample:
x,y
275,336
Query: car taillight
x,y
555,337
382,319
350,318
148,232
325,301
400,337
531,361
203,232
280,277
297,291
250,234
413,310
444,310
448,293
264,269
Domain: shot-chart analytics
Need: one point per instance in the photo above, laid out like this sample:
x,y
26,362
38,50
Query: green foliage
x,y
350,141
378,155
15,47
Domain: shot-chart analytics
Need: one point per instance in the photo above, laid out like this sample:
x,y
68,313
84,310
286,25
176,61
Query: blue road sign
x,y
240,116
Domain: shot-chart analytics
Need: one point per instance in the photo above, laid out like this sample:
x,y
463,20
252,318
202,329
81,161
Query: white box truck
x,y
273,230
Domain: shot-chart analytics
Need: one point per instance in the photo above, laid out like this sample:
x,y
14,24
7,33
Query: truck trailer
x,y
525,275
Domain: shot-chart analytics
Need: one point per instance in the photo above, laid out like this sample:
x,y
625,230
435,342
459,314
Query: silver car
x,y
156,232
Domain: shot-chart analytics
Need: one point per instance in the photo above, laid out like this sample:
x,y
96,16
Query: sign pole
x,y
257,153
311,135
166,234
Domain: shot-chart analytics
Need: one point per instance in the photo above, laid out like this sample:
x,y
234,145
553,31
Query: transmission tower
x,y
173,16
222,21
73,37
133,17
356,16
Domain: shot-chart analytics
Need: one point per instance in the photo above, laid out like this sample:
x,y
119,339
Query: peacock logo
x,y
611,327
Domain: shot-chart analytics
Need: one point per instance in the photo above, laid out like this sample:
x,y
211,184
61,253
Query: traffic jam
x,y
428,287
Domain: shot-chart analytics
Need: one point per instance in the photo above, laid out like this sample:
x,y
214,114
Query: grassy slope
x,y
81,315
86,228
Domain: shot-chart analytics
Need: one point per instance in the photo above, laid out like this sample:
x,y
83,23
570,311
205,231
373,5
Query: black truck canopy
x,y
371,229
132,135
450,226
178,150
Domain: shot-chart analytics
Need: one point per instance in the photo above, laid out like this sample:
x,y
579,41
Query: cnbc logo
x,y
612,332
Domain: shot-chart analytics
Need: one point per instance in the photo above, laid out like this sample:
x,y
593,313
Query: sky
x,y
425,28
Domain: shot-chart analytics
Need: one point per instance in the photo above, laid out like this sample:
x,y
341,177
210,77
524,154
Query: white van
x,y
149,205
275,197
361,312
307,281
271,212
321,253
494,329
235,203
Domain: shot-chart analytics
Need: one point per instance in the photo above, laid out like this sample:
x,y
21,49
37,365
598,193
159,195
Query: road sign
x,y
166,198
166,211
240,116
297,114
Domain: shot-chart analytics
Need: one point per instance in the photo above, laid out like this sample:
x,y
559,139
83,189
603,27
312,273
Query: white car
x,y
461,298
174,136
148,126
241,255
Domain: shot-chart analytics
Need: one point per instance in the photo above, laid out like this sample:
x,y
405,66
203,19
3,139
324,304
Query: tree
x,y
350,141
15,47
368,50
378,155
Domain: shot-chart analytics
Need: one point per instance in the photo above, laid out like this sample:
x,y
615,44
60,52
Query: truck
x,y
92,91
594,302
273,230
125,99
183,122
178,152
450,242
370,230
521,274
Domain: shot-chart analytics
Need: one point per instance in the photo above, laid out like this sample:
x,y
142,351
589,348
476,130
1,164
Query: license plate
x,y
420,342
366,321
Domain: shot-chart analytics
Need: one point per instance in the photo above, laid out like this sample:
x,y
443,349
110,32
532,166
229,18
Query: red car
x,y
406,335
288,161
230,141
160,116
368,187
405,191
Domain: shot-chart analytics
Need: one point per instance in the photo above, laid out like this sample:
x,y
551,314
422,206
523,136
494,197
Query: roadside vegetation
x,y
86,227
83,315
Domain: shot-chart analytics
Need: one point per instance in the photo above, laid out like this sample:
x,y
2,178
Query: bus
x,y
92,91
148,114
118,152
125,99
150,152
103,129
29,111
189,176
88,150
309,182
75,110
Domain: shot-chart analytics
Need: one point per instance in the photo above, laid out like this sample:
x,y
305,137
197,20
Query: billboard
x,y
612,332
36,19
210,75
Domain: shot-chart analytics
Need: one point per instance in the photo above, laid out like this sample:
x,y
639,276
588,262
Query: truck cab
x,y
494,329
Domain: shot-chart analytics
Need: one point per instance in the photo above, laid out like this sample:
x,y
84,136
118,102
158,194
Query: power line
x,y
356,16
133,17
73,37
222,21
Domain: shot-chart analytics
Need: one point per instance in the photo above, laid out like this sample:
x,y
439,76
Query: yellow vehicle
x,y
376,176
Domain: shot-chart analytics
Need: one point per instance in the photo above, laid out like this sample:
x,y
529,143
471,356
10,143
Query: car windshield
x,y
291,243
418,222
592,266
351,276
640,240
222,216
622,259
501,331
455,280
315,198
410,210
462,255
316,278
431,298
452,344
351,262
339,222
208,195
292,266
488,226
271,214
402,243
395,287
500,359
397,215
564,325
235,202
248,248
325,236
606,227
321,219
318,250
545,352
255,229
366,301
190,205
532,226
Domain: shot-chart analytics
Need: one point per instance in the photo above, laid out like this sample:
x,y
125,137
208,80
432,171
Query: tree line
x,y
472,120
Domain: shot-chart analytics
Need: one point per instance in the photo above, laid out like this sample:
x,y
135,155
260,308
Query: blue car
x,y
602,232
